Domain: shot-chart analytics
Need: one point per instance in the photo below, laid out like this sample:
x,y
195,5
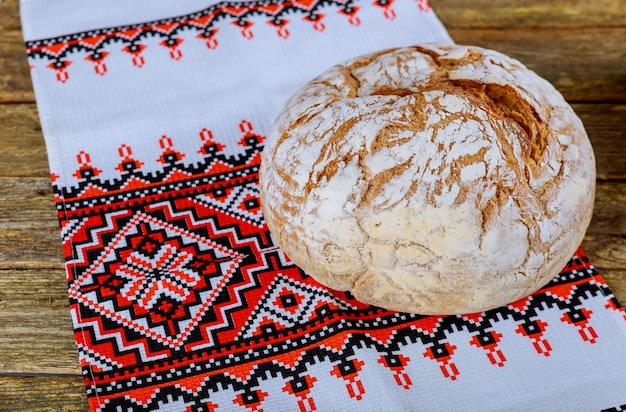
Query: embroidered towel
x,y
154,114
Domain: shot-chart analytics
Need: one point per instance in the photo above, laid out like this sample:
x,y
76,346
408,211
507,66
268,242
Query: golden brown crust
x,y
429,179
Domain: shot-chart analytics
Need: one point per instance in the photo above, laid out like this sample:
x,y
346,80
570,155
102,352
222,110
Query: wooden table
x,y
578,45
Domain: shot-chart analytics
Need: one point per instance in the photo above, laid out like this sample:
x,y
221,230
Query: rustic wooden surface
x,y
579,45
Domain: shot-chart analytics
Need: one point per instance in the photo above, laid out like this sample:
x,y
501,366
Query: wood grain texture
x,y
24,152
35,323
578,45
15,84
604,123
29,227
9,15
530,14
606,237
42,393
26,203
585,65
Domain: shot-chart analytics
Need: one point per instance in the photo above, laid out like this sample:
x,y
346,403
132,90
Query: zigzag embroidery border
x,y
203,22
270,343
203,380
93,195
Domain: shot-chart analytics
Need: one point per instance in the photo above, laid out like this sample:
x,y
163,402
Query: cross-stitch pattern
x,y
181,299
179,291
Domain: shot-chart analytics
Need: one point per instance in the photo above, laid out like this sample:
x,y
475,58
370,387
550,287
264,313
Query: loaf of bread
x,y
435,179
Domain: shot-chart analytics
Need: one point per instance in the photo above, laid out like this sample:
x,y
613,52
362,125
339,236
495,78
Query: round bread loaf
x,y
435,179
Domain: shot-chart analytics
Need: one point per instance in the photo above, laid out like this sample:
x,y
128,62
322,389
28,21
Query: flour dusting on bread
x,y
429,179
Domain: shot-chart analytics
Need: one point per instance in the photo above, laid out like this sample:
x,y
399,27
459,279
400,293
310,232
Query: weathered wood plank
x,y
506,14
42,393
36,334
584,65
29,227
608,255
605,126
616,279
15,83
23,148
609,218
605,242
26,248
35,325
26,203
9,15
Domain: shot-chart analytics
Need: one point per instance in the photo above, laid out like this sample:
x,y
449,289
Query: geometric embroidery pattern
x,y
155,279
94,44
181,299
184,294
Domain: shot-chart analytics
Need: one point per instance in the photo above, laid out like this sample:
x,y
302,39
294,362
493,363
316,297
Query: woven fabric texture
x,y
155,114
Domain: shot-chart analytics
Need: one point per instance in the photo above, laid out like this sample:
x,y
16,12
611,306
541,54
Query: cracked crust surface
x,y
429,179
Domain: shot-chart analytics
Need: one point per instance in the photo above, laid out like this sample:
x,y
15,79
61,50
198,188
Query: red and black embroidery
x,y
180,294
96,45
182,300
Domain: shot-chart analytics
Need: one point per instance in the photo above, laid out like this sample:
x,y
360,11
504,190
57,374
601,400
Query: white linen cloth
x,y
128,93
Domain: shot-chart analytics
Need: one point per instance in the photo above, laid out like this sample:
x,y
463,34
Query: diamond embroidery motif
x,y
241,202
180,296
156,279
288,304
288,301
